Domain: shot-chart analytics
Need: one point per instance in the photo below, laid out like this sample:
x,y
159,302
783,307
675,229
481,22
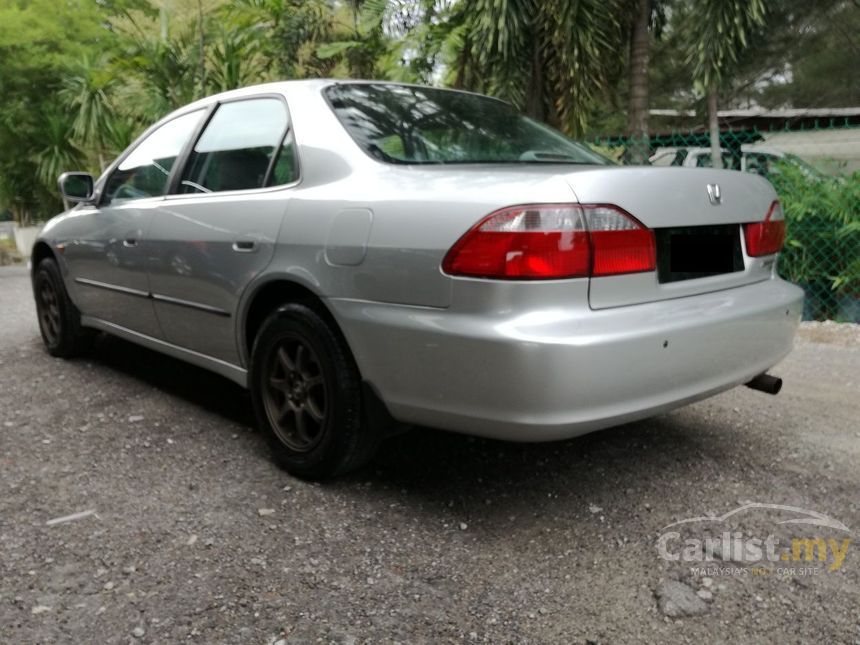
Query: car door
x,y
216,230
106,260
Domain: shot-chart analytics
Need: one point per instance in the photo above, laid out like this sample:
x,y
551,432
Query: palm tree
x,y
16,196
85,91
551,58
234,60
648,16
360,46
288,32
120,132
719,31
168,72
58,153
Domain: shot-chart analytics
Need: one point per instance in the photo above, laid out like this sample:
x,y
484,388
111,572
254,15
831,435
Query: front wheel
x,y
306,391
59,319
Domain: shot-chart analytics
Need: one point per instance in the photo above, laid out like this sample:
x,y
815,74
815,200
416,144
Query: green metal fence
x,y
815,169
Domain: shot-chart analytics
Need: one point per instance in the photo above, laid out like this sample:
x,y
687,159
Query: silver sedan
x,y
369,256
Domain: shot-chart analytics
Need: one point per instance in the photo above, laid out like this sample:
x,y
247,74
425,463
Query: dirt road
x,y
195,536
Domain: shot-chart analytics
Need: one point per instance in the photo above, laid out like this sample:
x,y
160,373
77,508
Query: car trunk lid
x,y
696,215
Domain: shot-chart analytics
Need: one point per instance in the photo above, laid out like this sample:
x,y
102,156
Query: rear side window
x,y
247,144
144,172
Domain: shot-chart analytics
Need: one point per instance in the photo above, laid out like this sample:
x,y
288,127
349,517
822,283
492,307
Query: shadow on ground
x,y
435,465
174,377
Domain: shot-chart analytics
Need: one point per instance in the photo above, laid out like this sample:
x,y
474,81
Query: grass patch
x,y
9,252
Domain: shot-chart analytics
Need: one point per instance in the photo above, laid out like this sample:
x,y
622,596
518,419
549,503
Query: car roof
x,y
275,87
278,87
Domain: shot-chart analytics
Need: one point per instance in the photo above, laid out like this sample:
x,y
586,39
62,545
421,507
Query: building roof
x,y
781,113
760,119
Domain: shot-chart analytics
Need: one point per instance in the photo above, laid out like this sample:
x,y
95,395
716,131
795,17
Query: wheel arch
x,y
274,293
41,250
266,298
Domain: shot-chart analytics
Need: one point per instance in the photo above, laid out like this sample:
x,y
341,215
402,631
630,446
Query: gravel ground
x,y
196,536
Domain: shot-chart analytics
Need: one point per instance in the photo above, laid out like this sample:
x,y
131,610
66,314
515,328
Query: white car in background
x,y
757,160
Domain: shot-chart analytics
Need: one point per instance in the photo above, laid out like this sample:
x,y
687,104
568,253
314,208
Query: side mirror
x,y
76,187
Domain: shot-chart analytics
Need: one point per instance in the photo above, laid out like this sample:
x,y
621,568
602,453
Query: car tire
x,y
59,319
306,391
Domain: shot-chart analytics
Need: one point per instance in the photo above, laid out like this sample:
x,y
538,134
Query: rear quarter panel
x,y
415,218
416,213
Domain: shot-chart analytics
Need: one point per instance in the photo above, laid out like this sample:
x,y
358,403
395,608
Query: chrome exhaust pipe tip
x,y
766,383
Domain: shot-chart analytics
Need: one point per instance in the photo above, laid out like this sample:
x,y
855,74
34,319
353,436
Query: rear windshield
x,y
420,125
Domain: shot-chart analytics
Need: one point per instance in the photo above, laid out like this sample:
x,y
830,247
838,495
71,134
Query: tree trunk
x,y
463,63
637,108
19,214
535,107
164,16
202,58
714,127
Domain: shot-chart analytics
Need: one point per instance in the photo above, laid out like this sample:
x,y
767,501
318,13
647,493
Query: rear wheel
x,y
307,395
59,319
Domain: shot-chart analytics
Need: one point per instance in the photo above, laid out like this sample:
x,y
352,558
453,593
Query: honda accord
x,y
366,256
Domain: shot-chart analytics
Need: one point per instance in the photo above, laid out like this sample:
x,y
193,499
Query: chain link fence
x,y
816,172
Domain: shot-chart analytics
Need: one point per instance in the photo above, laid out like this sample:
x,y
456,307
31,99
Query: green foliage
x,y
551,58
287,33
41,33
168,72
85,91
822,249
57,152
359,49
38,38
234,59
81,79
719,30
385,39
817,42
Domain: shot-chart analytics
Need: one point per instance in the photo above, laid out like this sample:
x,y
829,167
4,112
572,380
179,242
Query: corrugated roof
x,y
783,113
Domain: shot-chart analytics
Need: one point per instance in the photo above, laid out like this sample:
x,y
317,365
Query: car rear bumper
x,y
548,374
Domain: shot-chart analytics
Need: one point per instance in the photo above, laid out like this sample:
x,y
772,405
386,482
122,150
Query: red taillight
x,y
552,241
619,243
767,237
523,242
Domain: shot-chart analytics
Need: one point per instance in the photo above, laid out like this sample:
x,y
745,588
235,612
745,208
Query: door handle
x,y
129,243
244,246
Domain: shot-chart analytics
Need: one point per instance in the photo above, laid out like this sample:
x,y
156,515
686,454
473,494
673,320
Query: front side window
x,y
421,125
247,144
144,173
